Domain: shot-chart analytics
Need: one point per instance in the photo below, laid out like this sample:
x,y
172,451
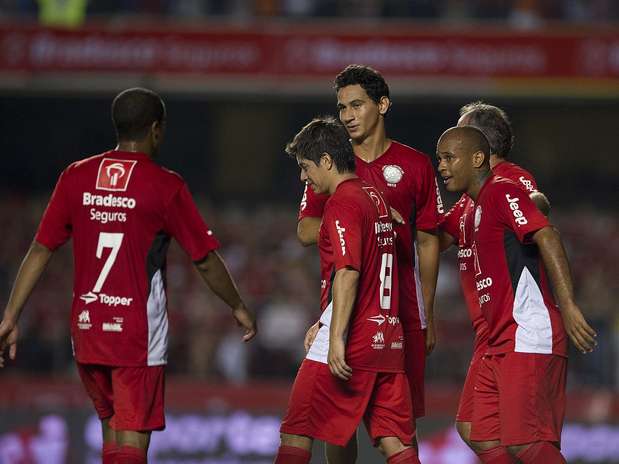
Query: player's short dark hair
x,y
134,111
494,123
322,135
368,78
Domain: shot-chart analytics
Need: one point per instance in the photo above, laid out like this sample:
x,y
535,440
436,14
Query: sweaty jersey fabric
x,y
405,177
357,233
122,209
458,222
510,279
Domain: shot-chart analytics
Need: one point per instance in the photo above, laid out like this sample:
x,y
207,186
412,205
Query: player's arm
x,y
428,250
556,263
28,275
541,202
445,240
214,272
344,295
307,230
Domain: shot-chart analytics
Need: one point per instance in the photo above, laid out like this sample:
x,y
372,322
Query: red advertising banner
x,y
279,53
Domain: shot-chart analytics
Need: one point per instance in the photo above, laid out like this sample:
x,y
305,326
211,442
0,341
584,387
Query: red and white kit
x,y
458,222
357,233
519,392
406,179
122,209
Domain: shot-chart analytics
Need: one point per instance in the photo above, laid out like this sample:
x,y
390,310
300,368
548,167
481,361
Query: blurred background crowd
x,y
519,13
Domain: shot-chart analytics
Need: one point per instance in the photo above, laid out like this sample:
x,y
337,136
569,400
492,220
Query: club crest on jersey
x,y
392,174
477,216
114,174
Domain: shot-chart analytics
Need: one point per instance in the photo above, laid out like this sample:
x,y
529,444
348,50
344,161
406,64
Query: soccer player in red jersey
x,y
519,393
406,179
122,210
355,365
456,227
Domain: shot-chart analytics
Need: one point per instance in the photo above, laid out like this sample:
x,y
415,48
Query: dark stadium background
x,y
225,135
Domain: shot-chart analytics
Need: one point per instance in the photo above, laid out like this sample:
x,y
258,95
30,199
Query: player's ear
x,y
326,160
479,157
156,130
383,105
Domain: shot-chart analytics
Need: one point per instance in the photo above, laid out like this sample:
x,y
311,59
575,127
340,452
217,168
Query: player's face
x,y
454,164
359,113
313,174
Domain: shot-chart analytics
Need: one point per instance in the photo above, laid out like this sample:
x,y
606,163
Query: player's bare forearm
x,y
557,266
30,271
445,241
307,230
555,260
215,273
428,250
344,295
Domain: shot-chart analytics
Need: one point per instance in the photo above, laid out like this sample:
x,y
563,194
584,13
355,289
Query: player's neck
x,y
337,180
477,183
495,160
135,147
372,146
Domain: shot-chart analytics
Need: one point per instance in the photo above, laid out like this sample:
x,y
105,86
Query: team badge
x,y
477,217
392,174
114,174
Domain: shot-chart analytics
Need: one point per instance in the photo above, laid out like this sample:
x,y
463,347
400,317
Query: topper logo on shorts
x,y
114,174
515,207
340,232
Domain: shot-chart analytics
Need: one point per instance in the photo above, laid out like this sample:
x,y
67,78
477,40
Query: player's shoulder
x,y
408,154
498,185
512,171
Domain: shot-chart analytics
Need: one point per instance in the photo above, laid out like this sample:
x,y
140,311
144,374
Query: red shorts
x,y
465,407
415,366
323,407
519,398
131,396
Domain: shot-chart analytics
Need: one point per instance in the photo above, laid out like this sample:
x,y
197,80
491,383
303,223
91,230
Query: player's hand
x,y
337,361
8,339
397,217
430,336
581,333
247,320
310,335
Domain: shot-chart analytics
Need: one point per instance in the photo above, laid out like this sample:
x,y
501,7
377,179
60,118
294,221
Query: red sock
x,y
292,455
130,455
408,456
108,453
498,455
541,451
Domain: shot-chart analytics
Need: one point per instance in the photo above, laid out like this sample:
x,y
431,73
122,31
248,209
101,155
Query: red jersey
x,y
121,210
510,279
517,174
357,232
458,222
405,177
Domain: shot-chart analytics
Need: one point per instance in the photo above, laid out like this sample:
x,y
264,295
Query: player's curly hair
x,y
322,135
134,111
368,78
494,123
